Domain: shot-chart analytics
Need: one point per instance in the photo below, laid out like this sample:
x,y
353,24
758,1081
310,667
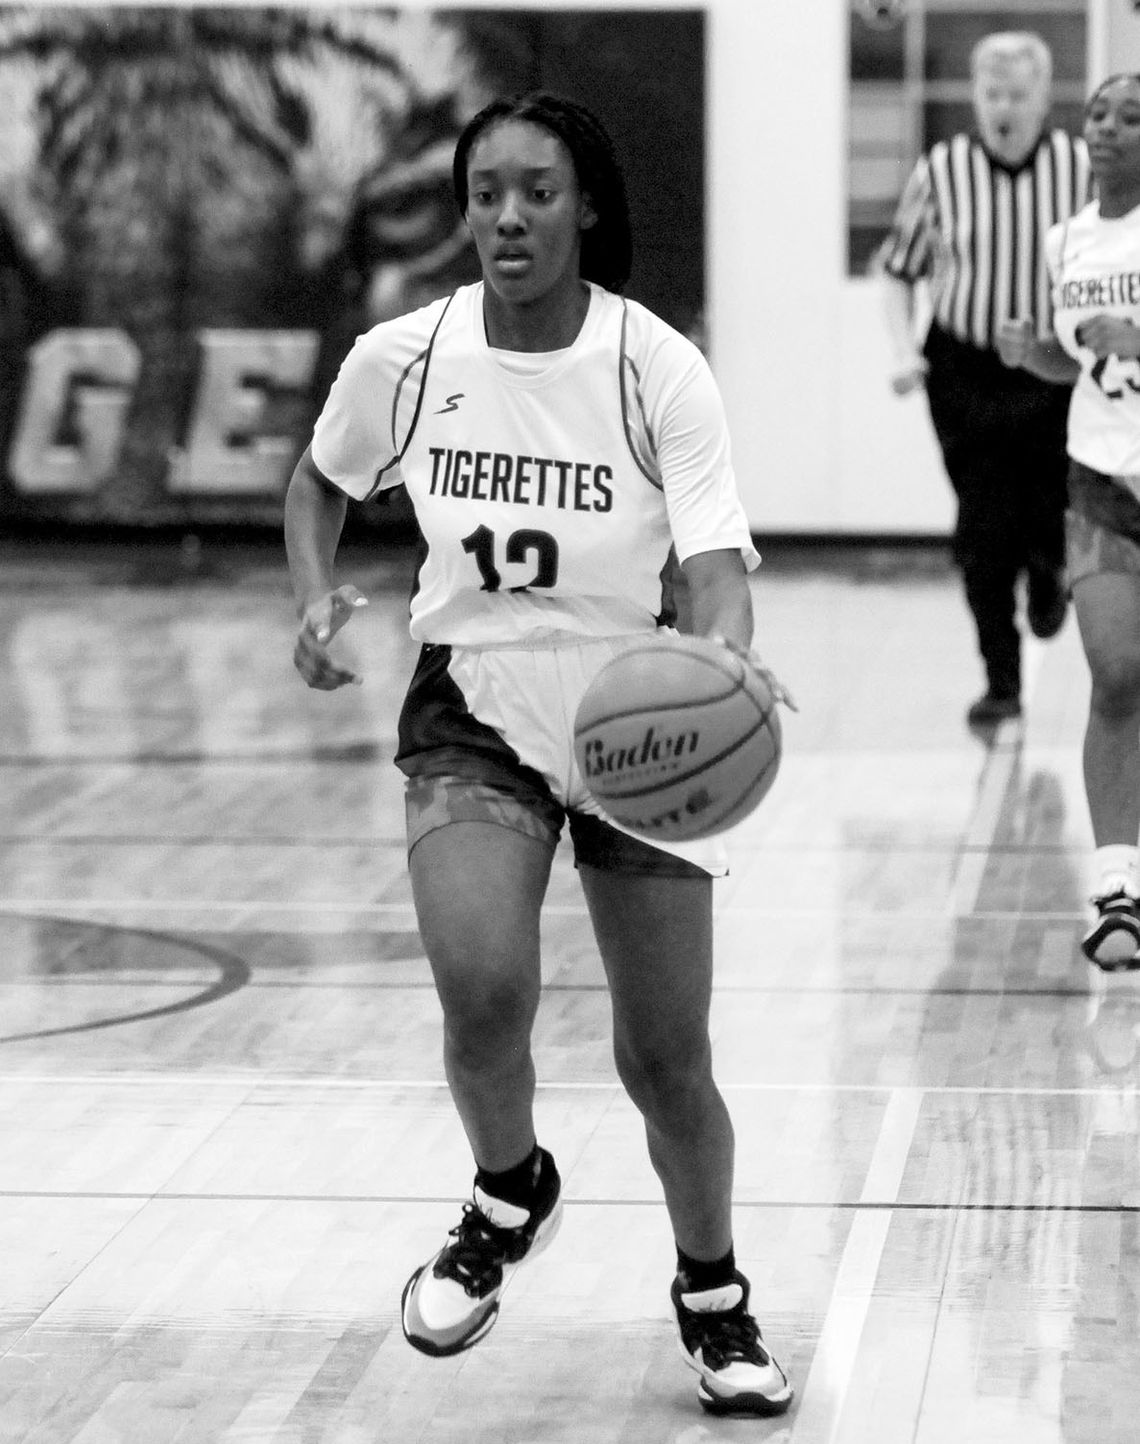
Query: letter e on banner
x,y
227,451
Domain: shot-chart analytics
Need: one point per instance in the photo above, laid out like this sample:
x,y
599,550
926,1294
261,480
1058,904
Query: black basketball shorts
x,y
486,735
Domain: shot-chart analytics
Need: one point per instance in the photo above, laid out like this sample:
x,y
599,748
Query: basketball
x,y
678,738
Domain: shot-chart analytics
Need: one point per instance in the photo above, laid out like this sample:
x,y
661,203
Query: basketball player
x,y
1094,262
556,442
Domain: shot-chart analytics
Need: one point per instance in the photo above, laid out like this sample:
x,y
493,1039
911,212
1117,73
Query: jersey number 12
x,y
481,545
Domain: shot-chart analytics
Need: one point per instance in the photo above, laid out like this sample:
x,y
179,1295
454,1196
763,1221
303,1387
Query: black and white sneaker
x,y
722,1341
452,1301
1113,941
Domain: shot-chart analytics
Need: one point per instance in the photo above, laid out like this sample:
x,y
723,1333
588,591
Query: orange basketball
x,y
678,738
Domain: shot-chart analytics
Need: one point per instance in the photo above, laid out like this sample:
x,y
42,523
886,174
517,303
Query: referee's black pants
x,y
1002,436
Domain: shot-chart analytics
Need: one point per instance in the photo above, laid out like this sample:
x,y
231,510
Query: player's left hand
x,y
752,659
1109,336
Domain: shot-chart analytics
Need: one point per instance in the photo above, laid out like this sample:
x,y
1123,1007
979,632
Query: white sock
x,y
1115,866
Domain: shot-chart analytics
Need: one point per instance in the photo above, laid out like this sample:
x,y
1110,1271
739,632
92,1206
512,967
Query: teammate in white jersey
x,y
1094,263
558,443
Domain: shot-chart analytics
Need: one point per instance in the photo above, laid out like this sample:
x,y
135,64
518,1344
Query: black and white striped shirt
x,y
975,230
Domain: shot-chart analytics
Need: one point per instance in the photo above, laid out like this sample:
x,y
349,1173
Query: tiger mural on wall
x,y
166,169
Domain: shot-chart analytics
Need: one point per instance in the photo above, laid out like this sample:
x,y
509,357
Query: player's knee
x,y
1115,685
663,1076
489,1031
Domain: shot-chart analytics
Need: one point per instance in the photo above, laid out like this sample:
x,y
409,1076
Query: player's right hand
x,y
321,620
1106,335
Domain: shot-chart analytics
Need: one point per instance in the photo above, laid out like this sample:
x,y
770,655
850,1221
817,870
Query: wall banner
x,y
200,208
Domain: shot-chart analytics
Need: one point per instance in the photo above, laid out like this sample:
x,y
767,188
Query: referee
x,y
971,223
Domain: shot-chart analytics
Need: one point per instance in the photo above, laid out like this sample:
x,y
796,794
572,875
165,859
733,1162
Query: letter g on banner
x,y
72,414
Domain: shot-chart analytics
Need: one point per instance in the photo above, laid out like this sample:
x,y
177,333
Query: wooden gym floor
x,y
225,1136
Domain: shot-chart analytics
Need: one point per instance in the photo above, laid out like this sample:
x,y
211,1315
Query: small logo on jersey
x,y
452,402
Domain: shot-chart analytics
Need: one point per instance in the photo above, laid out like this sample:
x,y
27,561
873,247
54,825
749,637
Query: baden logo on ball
x,y
652,749
678,738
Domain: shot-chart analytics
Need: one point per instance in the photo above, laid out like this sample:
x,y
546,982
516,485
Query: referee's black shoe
x,y
1047,603
992,708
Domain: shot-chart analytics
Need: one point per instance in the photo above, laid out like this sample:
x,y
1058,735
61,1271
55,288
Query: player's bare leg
x,y
478,890
1108,613
655,936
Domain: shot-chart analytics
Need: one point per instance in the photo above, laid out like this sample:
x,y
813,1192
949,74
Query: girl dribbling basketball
x,y
559,444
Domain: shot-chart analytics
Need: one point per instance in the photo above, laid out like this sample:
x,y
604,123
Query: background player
x,y
557,443
1095,265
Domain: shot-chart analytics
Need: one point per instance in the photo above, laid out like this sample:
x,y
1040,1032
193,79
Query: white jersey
x,y
1095,267
548,489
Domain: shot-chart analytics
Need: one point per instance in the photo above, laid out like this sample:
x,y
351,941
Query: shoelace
x,y
733,1334
475,1259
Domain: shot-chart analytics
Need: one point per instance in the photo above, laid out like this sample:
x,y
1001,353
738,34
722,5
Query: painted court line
x,y
999,767
184,1081
204,905
824,1391
56,906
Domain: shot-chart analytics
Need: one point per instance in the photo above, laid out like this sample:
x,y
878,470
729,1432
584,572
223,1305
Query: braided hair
x,y
607,246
